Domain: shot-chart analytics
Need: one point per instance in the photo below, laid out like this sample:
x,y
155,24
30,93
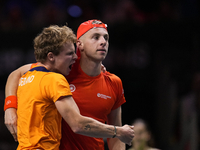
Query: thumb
x,y
132,127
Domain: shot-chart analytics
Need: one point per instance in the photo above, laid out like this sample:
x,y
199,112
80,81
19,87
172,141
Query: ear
x,y
79,45
50,57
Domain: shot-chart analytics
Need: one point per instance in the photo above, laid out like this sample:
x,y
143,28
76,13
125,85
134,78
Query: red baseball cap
x,y
86,26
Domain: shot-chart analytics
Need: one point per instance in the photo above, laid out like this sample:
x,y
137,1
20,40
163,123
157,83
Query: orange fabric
x,y
39,122
10,102
34,65
95,97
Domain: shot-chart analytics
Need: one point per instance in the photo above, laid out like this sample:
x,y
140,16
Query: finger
x,y
14,134
132,127
15,128
11,129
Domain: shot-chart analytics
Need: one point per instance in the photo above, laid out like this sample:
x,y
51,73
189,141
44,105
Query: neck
x,y
91,68
48,67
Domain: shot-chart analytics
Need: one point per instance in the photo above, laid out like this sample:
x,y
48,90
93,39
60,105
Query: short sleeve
x,y
54,85
120,94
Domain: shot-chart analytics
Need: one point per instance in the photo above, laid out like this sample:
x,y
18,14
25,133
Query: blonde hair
x,y
51,39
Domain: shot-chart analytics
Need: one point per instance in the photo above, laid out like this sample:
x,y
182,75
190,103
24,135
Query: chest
x,y
95,98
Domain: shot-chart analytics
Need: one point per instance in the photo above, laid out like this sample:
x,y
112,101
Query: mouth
x,y
70,66
101,50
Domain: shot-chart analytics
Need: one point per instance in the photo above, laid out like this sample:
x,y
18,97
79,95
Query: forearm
x,y
93,128
81,124
10,117
90,127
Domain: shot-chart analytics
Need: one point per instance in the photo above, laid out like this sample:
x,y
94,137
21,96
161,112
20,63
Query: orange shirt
x,y
39,122
95,97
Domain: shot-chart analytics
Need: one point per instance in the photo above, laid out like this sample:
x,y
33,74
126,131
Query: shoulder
x,y
112,76
52,79
52,76
112,79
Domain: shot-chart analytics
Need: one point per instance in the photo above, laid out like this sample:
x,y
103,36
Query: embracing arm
x,y
114,118
10,117
13,80
88,126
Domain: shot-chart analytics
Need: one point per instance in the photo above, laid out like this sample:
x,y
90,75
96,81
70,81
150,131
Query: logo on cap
x,y
98,22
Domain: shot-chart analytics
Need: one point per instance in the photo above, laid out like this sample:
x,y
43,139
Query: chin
x,y
67,73
103,57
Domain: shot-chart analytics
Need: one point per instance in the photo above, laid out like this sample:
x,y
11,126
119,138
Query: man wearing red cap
x,y
98,95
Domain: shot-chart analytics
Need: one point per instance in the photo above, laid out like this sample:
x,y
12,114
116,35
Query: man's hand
x,y
125,134
10,119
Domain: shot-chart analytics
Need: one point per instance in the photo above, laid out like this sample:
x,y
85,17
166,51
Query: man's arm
x,y
10,116
88,126
114,118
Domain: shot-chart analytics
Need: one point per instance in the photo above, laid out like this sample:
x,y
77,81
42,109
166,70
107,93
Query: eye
x,y
96,37
106,37
70,53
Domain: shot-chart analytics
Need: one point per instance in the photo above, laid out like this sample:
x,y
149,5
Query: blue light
x,y
74,11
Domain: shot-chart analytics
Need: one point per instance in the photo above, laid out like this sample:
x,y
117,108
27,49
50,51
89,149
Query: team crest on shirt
x,y
72,87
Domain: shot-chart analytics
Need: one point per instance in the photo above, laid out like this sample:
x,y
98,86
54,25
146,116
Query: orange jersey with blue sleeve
x,y
39,122
96,97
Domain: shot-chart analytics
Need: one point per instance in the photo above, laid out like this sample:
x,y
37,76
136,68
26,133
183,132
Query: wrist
x,y
115,132
10,102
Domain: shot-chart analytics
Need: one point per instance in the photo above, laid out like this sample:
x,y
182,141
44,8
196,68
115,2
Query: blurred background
x,y
154,48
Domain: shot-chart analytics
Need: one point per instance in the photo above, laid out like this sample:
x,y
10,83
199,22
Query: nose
x,y
75,56
103,41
